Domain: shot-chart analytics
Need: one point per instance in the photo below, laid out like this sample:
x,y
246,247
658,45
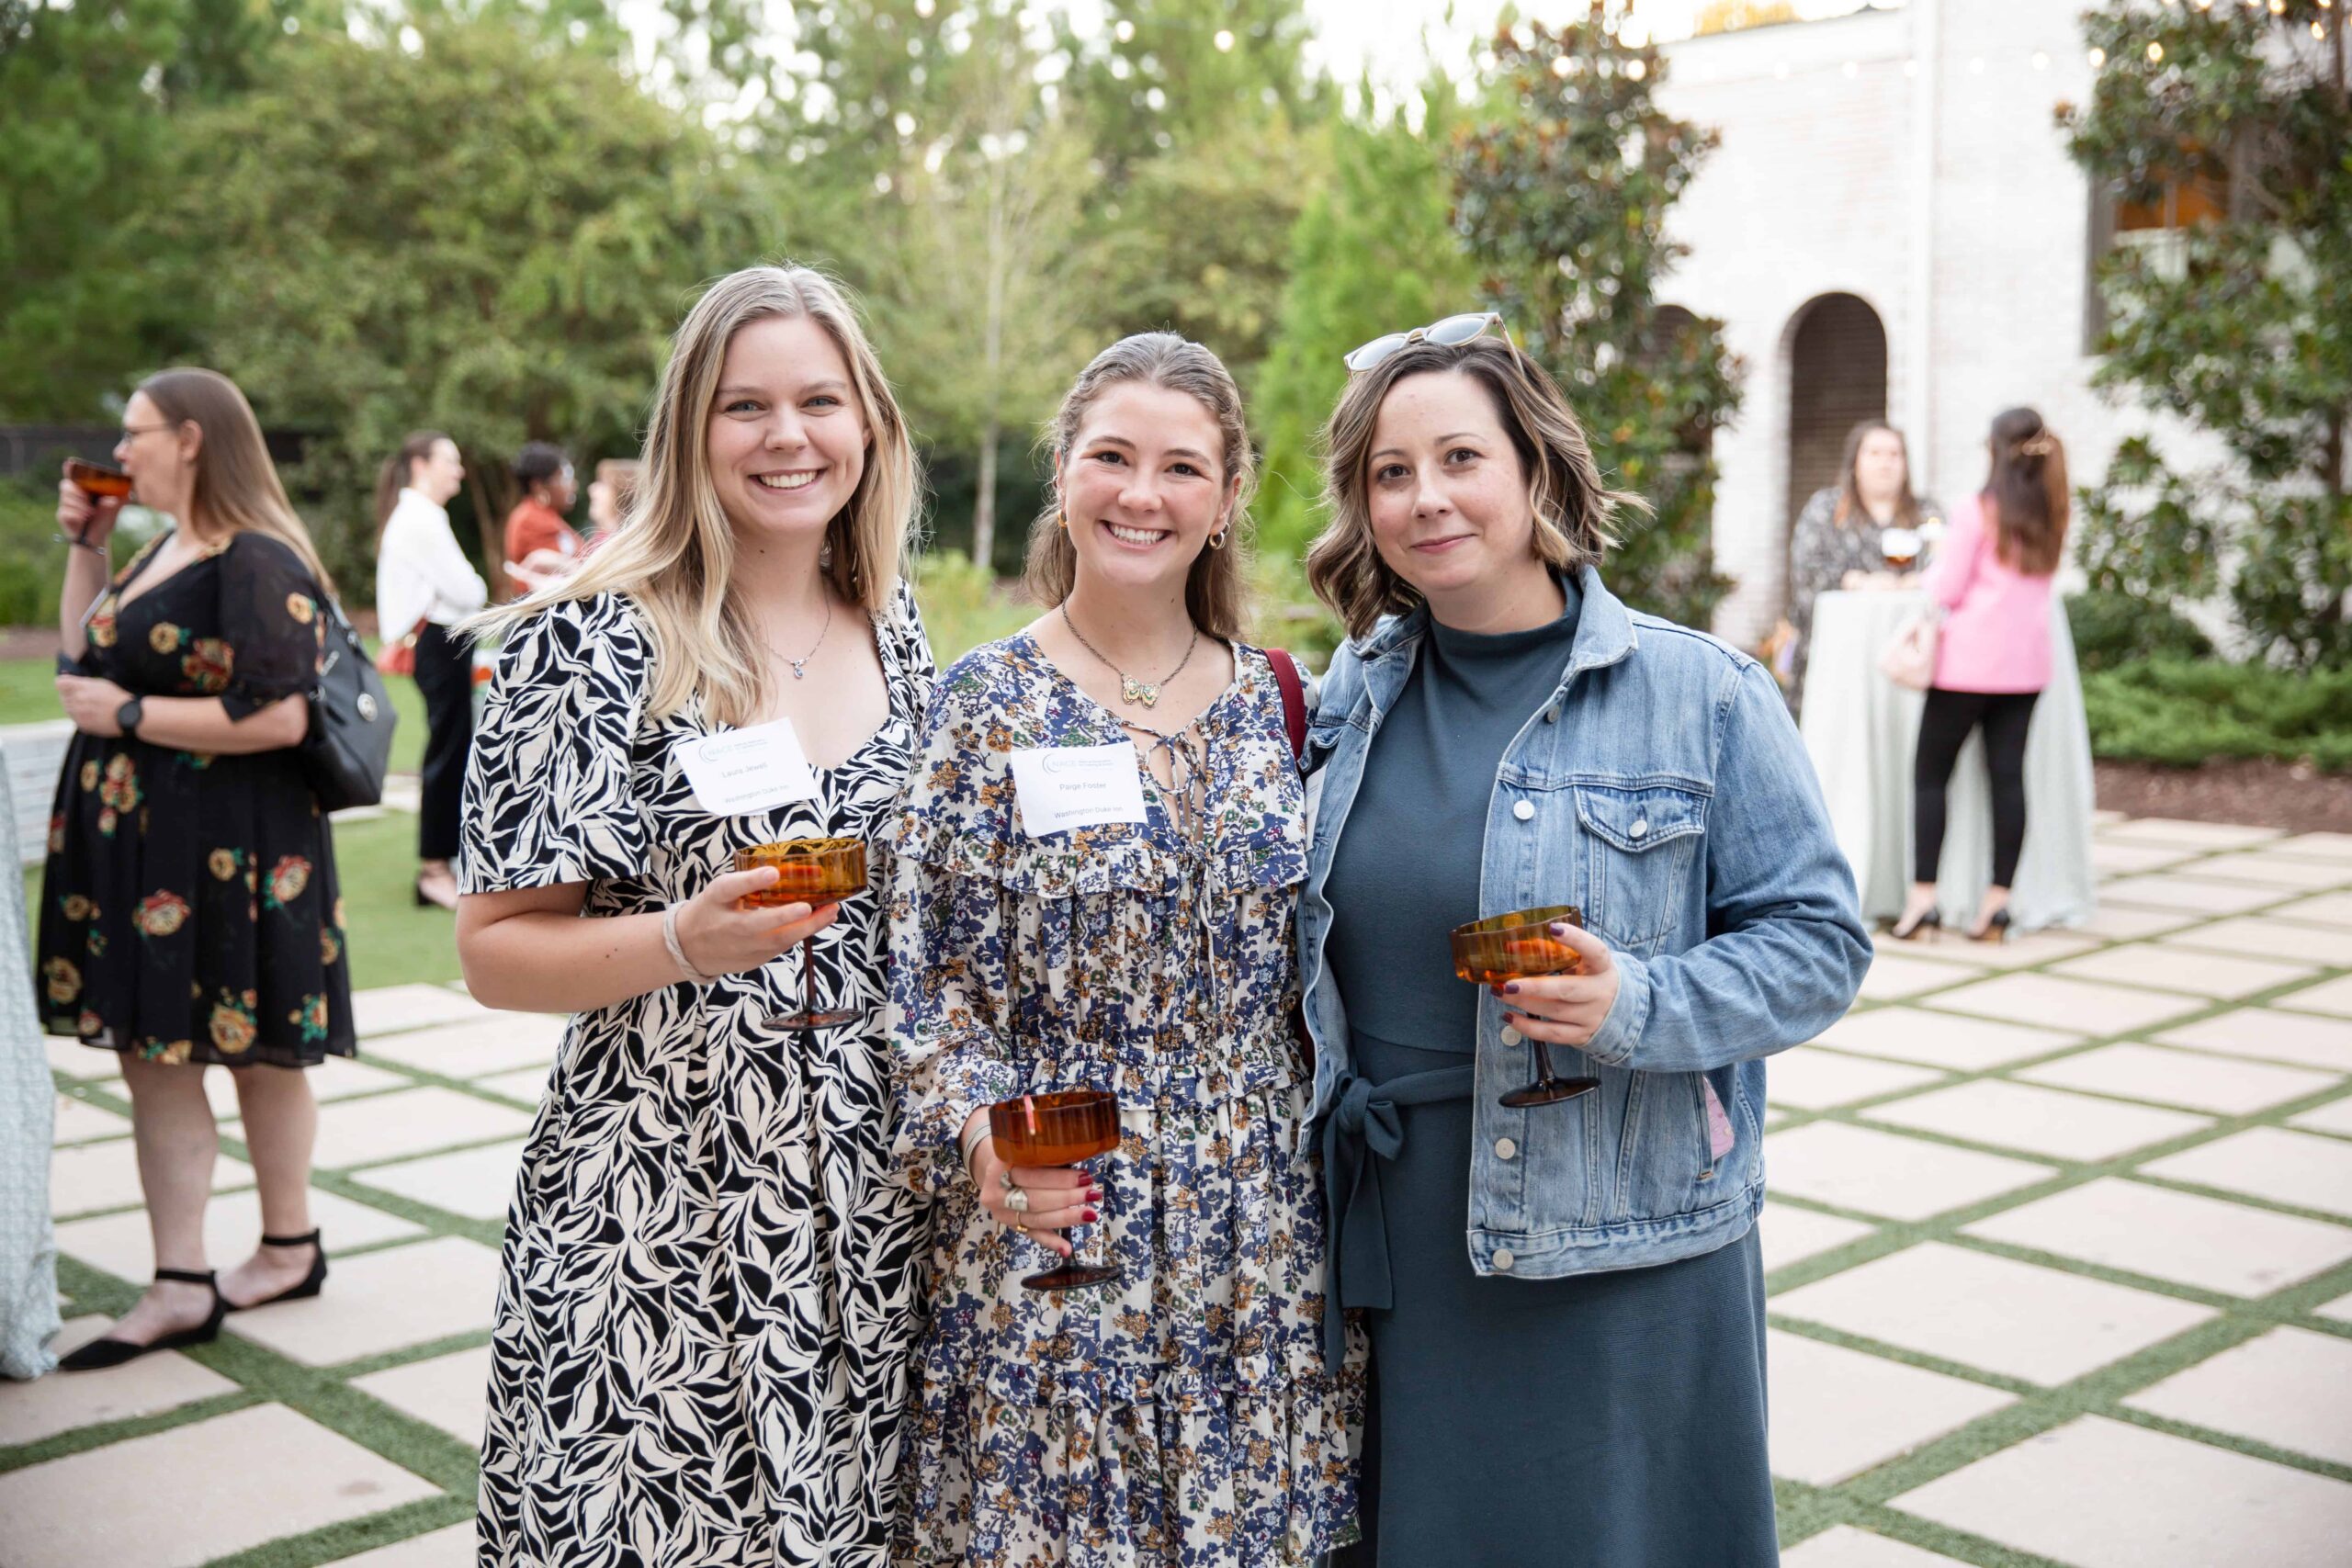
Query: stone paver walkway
x,y
2060,1246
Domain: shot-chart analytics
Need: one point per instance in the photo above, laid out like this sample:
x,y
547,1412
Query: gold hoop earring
x,y
1216,540
1062,518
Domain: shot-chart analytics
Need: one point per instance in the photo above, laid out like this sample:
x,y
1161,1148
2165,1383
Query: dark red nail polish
x,y
1511,989
1089,1216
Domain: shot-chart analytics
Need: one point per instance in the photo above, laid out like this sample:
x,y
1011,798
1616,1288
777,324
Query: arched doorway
x,y
1837,380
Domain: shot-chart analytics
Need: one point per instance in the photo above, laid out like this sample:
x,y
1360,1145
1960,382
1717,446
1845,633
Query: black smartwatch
x,y
127,718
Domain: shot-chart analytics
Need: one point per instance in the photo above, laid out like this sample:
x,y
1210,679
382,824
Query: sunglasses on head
x,y
1451,331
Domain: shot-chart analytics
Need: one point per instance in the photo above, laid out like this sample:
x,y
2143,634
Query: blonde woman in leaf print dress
x,y
1183,1414
707,1298
188,912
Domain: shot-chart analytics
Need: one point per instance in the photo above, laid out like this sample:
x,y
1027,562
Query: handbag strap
x,y
1293,691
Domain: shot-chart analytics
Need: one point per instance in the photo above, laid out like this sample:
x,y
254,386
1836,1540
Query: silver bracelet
x,y
984,1135
677,949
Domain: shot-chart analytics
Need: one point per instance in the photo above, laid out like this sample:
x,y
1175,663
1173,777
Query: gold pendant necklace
x,y
1144,694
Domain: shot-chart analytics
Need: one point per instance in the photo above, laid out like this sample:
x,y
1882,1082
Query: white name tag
x,y
1061,787
737,772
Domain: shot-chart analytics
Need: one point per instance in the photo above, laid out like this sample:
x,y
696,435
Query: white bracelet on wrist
x,y
677,949
973,1143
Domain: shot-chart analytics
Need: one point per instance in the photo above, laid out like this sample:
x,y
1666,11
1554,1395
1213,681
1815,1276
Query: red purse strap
x,y
1294,690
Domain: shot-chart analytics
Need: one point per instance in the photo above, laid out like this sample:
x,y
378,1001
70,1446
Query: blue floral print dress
x,y
1184,1415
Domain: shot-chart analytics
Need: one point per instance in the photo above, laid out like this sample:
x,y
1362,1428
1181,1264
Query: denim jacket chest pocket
x,y
1638,843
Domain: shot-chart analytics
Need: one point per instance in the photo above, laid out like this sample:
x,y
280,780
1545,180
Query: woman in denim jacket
x,y
1566,1302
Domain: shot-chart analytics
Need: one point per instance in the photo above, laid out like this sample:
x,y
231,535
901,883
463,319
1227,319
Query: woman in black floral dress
x,y
188,911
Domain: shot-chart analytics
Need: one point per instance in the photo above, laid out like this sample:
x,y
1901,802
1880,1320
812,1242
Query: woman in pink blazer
x,y
1992,580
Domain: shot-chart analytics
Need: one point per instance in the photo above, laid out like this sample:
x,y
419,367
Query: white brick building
x,y
1891,225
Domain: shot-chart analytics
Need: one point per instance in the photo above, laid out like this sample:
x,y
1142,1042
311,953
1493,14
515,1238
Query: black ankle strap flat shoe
x,y
112,1352
310,1282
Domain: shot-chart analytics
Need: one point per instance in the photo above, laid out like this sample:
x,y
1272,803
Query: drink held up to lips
x,y
96,480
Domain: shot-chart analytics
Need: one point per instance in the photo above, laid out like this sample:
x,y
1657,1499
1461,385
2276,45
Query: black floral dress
x,y
189,911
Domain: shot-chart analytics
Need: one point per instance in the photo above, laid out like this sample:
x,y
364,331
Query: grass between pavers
x,y
1865,1500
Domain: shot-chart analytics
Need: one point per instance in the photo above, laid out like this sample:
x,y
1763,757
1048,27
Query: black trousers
x,y
1943,729
445,678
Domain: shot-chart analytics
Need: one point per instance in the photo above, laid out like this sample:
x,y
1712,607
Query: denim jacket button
x,y
1503,1259
1524,810
1505,1148
1511,1036
1641,827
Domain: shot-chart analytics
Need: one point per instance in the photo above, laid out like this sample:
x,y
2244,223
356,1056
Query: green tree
x,y
973,303
2240,323
1562,190
1202,119
483,231
91,91
1374,251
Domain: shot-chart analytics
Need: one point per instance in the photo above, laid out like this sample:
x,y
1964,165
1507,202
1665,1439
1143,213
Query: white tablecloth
x,y
1862,730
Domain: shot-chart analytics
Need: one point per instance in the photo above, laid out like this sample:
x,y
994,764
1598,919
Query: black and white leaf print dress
x,y
707,1296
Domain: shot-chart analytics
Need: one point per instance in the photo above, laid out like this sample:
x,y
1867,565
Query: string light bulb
x,y
2097,58
2155,54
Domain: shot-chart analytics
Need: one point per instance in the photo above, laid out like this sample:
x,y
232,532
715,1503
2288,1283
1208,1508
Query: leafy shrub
x,y
2112,628
33,563
963,606
2182,712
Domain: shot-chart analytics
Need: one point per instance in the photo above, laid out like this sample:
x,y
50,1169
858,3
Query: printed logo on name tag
x,y
1061,787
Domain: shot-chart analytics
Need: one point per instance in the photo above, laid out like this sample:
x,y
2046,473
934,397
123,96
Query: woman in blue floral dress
x,y
1182,1415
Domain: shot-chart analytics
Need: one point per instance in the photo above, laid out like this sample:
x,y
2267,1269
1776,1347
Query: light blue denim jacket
x,y
1661,789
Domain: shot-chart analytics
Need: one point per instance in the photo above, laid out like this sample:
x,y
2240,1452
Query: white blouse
x,y
421,571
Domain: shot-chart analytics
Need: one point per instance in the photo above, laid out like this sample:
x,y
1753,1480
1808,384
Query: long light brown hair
x,y
237,486
674,552
1215,590
2025,493
1573,509
1849,488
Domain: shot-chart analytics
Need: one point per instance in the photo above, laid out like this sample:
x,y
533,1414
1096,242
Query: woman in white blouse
x,y
425,585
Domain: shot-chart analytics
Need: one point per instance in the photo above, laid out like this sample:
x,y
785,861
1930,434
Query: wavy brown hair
x,y
1573,509
237,487
674,551
1215,590
2025,493
1849,490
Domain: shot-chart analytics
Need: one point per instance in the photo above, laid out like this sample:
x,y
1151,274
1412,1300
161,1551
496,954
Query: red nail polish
x,y
1095,1194
1089,1216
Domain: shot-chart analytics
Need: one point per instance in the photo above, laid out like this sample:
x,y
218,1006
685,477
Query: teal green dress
x,y
1614,1420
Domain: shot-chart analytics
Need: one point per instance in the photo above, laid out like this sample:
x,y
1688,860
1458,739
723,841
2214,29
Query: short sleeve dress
x,y
1184,1415
706,1299
189,911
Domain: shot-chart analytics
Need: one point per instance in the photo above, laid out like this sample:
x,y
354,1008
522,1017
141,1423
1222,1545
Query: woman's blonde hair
x,y
1215,590
674,553
1573,509
237,486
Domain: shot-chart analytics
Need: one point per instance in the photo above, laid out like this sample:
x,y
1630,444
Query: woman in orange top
x,y
536,527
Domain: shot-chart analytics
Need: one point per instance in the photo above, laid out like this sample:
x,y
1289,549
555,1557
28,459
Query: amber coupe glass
x,y
1064,1128
96,480
815,871
1519,946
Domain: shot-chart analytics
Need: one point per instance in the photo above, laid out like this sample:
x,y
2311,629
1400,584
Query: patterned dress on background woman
x,y
189,911
1822,550
1184,1415
707,1295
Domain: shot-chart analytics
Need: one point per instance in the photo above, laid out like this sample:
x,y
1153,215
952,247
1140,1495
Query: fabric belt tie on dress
x,y
1365,1127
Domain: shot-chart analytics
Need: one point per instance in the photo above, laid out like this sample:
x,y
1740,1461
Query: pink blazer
x,y
1996,624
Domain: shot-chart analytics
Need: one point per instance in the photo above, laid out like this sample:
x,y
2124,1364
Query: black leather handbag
x,y
349,749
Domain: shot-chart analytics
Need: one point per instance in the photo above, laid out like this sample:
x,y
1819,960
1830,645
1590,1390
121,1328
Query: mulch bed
x,y
2260,793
